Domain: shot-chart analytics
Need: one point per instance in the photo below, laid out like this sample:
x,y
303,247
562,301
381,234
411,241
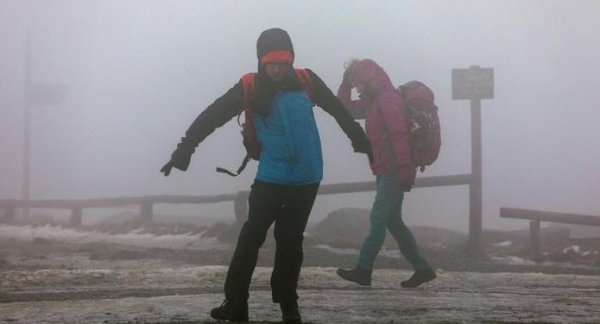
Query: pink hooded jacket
x,y
382,108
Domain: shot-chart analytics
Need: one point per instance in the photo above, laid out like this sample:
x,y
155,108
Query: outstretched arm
x,y
325,99
213,117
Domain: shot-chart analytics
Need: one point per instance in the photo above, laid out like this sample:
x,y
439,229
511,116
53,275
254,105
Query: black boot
x,y
236,312
359,276
418,278
290,313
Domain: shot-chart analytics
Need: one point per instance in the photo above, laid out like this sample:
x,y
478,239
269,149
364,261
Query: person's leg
x,y
263,206
289,235
404,237
382,207
408,245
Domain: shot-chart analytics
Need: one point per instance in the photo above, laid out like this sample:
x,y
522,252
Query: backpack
x,y
424,122
248,131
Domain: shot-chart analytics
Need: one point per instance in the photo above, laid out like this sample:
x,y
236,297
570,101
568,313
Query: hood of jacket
x,y
272,40
370,74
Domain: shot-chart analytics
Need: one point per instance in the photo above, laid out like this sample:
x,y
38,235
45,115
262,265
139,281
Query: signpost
x,y
474,84
35,94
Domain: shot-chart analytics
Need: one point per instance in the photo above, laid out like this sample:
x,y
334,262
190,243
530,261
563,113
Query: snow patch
x,y
503,244
574,248
511,260
135,237
336,250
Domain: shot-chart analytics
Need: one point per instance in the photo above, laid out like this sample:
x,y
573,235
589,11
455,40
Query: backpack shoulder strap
x,y
305,80
248,85
247,94
247,89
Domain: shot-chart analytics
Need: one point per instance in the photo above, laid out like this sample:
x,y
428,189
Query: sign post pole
x,y
40,94
26,128
474,84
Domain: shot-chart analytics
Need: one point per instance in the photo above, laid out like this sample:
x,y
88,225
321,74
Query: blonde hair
x,y
350,64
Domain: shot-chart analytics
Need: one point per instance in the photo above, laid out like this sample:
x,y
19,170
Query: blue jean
x,y
386,213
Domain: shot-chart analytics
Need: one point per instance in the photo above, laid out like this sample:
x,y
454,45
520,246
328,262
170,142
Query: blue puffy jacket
x,y
289,140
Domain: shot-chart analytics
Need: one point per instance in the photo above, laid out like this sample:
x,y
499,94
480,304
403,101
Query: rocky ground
x,y
46,279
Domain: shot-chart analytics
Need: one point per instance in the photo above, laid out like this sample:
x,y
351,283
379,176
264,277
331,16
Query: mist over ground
x,y
138,72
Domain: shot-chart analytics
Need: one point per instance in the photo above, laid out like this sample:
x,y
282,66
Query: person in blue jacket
x,y
289,172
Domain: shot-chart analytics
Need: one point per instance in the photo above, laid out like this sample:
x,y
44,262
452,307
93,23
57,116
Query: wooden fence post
x,y
76,216
240,206
534,240
146,212
475,187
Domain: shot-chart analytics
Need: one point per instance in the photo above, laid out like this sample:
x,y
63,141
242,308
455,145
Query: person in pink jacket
x,y
386,125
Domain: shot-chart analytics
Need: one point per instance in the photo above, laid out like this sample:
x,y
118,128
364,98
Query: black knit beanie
x,y
272,40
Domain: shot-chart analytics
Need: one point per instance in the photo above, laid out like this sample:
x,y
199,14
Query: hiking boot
x,y
359,276
290,313
237,312
418,278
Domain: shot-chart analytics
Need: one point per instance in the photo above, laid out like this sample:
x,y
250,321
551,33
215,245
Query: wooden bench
x,y
535,218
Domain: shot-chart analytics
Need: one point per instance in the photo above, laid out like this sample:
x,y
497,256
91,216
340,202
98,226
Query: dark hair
x,y
266,88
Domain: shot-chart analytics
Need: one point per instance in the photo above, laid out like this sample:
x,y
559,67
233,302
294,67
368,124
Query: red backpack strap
x,y
247,90
305,80
250,131
247,95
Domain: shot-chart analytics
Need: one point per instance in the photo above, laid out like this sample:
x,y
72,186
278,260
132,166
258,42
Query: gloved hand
x,y
180,159
166,169
406,177
362,145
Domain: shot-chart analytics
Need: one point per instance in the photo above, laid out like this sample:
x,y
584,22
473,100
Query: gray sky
x,y
138,73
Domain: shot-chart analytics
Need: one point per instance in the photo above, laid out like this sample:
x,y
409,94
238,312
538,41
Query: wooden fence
x,y
535,218
146,203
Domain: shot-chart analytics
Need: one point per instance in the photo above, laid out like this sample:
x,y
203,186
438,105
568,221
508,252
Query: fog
x,y
138,72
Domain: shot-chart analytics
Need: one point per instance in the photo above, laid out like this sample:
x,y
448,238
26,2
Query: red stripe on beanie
x,y
277,56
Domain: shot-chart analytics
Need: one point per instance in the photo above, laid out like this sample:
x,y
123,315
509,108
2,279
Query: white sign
x,y
473,83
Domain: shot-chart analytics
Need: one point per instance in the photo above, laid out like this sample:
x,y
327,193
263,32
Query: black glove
x,y
362,145
180,159
166,169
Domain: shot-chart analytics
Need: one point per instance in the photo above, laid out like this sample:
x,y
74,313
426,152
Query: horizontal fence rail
x,y
115,202
351,187
535,218
239,199
546,216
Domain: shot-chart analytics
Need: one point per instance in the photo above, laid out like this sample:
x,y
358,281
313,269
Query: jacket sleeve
x,y
356,108
325,99
396,124
213,117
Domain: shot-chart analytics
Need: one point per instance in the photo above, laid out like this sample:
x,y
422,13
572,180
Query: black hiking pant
x,y
288,207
